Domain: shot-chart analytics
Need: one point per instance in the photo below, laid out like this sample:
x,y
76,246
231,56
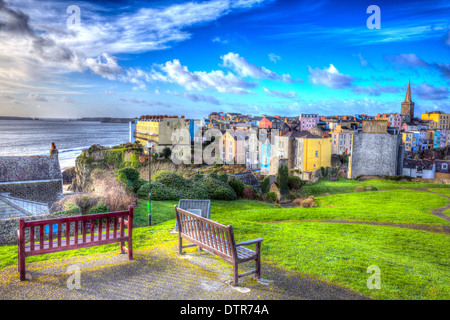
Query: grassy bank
x,y
414,264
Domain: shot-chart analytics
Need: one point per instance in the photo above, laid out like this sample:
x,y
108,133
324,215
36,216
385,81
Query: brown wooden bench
x,y
218,239
115,223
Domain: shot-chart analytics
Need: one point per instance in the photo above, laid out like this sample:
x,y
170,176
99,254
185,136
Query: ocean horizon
x,y
34,137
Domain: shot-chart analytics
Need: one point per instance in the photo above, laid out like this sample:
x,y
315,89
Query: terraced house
x,y
341,140
440,119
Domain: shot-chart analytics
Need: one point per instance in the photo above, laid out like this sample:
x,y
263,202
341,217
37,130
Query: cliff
x,y
104,158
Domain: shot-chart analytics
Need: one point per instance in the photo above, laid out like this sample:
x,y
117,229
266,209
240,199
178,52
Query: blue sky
x,y
128,58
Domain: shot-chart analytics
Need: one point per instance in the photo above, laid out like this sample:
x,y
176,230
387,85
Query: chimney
x,y
54,152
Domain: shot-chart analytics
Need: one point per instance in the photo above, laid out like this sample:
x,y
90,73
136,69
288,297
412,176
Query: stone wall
x,y
376,154
40,191
9,227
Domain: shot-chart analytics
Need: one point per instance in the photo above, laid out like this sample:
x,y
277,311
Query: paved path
x,y
159,273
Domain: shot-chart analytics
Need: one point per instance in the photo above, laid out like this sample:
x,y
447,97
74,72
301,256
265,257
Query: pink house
x,y
307,121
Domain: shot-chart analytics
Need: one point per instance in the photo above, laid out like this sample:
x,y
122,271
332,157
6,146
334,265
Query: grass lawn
x,y
346,185
444,191
414,264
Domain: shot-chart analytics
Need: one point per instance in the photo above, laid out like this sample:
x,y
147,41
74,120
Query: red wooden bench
x,y
218,239
115,223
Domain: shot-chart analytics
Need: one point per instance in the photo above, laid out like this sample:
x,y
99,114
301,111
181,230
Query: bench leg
x,y
122,244
235,274
200,248
180,245
21,266
258,261
130,249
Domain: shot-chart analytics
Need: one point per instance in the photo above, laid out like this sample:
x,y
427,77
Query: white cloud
x,y
216,80
330,77
409,59
276,93
245,69
274,58
429,92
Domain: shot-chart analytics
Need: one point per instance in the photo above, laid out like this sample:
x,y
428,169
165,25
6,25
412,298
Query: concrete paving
x,y
158,272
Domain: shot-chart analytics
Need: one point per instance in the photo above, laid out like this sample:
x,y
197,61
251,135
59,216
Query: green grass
x,y
346,185
414,264
444,191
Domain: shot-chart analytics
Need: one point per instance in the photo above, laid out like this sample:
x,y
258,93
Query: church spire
x,y
408,92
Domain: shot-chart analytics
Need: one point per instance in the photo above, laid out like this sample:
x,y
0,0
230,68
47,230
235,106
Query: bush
x,y
138,184
142,193
71,207
238,186
218,190
294,182
265,185
100,207
248,193
223,177
162,192
283,178
271,196
359,189
129,174
171,179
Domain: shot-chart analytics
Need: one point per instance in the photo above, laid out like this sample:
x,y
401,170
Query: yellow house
x,y
147,130
316,153
227,147
441,120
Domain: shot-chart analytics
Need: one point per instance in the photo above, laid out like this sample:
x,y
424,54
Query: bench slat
x,y
65,243
32,237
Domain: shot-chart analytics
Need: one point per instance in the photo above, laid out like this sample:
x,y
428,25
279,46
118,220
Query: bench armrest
x,y
245,243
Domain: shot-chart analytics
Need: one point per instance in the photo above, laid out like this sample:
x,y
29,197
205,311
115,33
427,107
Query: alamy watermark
x,y
74,20
374,21
374,281
74,280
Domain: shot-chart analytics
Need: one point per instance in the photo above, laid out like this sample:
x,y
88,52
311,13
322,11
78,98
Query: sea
x,y
34,137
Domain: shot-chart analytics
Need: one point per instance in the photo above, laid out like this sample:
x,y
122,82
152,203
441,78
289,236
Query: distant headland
x,y
94,119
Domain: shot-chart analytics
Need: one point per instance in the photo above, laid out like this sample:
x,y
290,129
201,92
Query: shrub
x,y
265,185
294,182
238,186
248,193
218,190
171,179
162,192
71,207
223,177
100,207
292,196
142,193
138,184
283,178
129,174
370,188
111,191
359,189
271,196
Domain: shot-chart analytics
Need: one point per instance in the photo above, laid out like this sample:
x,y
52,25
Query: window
x,y
317,154
445,166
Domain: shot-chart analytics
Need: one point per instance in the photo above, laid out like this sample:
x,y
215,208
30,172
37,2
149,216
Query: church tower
x,y
408,105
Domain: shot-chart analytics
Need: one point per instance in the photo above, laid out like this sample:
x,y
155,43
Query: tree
x,y
283,180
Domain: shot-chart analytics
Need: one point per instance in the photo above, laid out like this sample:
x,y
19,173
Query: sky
x,y
69,59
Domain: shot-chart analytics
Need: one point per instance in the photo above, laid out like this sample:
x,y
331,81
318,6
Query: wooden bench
x,y
218,239
115,223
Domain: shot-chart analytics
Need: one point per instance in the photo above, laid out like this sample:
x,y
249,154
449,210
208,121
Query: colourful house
x,y
265,123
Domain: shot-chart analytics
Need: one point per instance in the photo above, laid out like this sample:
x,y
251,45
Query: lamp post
x,y
149,204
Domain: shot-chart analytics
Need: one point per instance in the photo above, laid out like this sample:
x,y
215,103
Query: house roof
x,y
302,134
13,169
415,163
